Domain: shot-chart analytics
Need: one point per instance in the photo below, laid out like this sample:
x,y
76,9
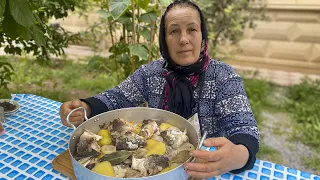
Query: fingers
x,y
207,155
202,167
203,175
75,104
204,170
217,142
69,106
74,122
75,114
76,117
213,165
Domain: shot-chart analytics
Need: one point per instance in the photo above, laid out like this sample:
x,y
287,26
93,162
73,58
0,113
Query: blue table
x,y
35,136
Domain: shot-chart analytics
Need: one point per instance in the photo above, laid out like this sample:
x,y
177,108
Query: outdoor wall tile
x,y
290,50
291,16
275,30
252,47
315,56
281,1
307,32
308,2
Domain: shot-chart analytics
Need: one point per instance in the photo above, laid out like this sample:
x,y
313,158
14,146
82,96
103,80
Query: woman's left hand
x,y
227,157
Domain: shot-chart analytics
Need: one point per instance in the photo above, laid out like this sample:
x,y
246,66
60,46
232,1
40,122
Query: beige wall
x,y
289,42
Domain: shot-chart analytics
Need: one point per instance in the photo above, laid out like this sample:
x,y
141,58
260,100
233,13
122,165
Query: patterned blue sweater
x,y
223,107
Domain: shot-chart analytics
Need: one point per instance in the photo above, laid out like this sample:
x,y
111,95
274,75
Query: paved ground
x,y
292,152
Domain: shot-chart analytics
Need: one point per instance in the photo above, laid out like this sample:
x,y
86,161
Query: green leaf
x,y
148,17
181,157
38,36
123,58
116,157
13,29
143,3
94,63
146,34
139,50
118,7
39,21
6,64
2,7
21,12
125,20
104,14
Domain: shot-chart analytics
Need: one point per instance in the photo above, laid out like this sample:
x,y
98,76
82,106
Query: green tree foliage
x,y
6,70
24,28
136,21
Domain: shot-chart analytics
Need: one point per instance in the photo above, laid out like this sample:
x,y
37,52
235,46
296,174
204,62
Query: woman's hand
x,y
227,157
77,117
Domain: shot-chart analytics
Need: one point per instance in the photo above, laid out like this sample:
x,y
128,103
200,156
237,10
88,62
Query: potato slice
x,y
165,126
155,147
104,168
106,138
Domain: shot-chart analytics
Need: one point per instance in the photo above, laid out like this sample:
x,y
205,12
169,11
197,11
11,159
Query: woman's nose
x,y
184,39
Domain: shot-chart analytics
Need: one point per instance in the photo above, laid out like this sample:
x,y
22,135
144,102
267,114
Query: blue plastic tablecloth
x,y
35,136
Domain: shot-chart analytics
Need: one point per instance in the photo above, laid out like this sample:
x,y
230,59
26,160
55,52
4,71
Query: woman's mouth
x,y
184,51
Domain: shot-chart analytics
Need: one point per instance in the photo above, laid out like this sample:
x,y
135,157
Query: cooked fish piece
x,y
92,163
157,137
119,127
130,141
156,163
120,171
127,162
131,173
149,128
150,165
108,149
88,144
138,164
174,137
85,161
140,153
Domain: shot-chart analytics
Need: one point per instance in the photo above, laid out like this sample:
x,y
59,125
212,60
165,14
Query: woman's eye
x,y
173,31
193,30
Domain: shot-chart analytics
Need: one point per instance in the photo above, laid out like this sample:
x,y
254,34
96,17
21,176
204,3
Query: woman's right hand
x,y
77,117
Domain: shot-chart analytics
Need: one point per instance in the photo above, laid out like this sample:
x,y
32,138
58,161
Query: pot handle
x,y
85,116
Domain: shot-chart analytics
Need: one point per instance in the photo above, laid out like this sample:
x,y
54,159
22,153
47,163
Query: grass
x,y
304,107
313,162
269,153
277,131
257,91
62,81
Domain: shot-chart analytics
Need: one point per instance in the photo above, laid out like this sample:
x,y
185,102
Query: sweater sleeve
x,y
233,110
131,92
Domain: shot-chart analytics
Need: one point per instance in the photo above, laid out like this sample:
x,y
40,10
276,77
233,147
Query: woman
x,y
186,81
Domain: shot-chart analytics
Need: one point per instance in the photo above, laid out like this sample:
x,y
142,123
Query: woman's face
x,y
183,35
